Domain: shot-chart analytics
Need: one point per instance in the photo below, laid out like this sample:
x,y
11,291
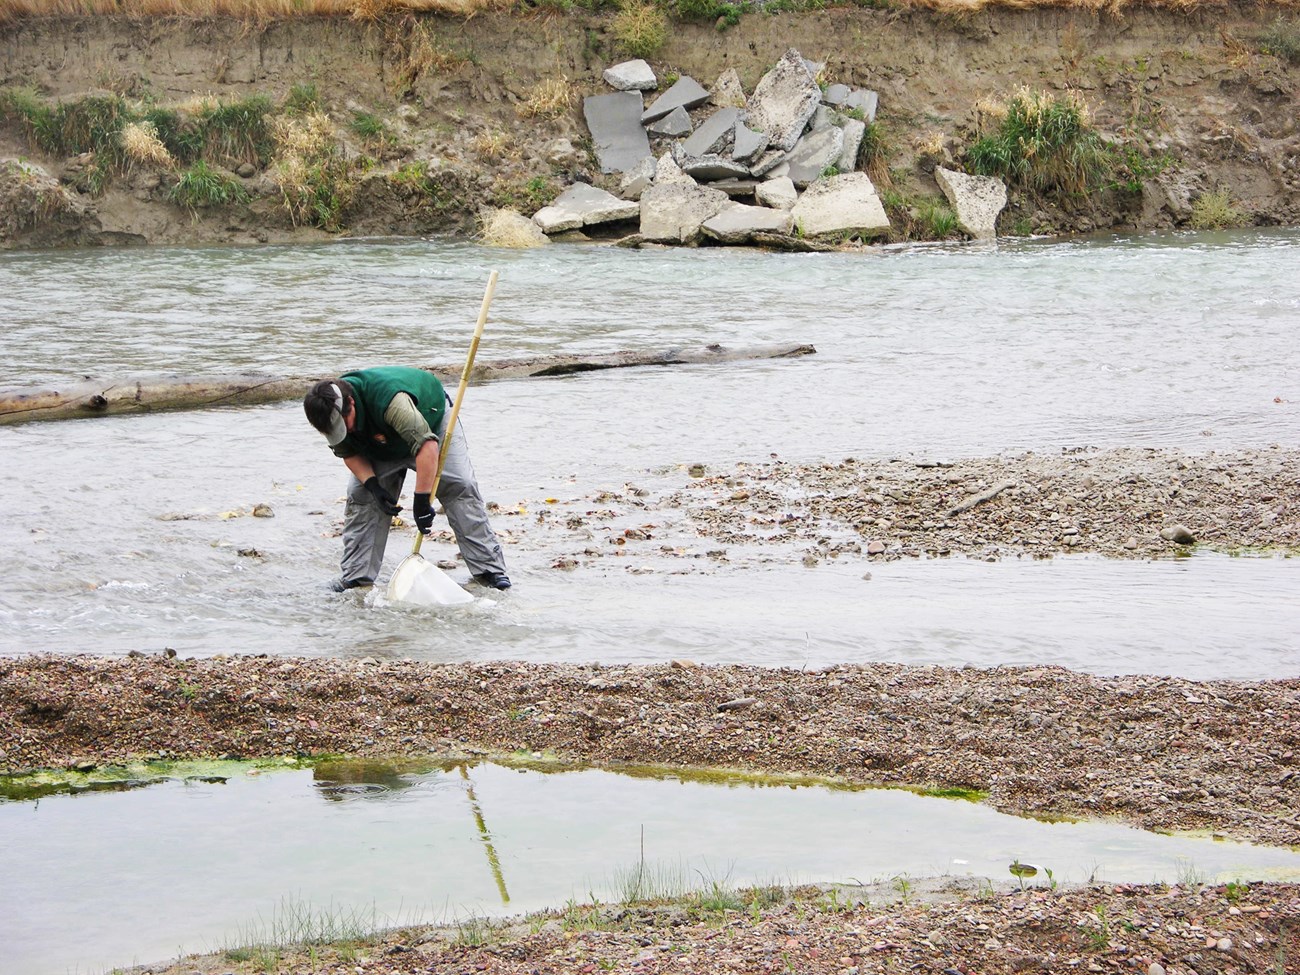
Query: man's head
x,y
327,405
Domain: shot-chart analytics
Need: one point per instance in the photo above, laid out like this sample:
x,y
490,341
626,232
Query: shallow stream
x,y
927,352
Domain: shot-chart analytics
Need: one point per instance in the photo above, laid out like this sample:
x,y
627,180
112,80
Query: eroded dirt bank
x,y
1193,94
1161,753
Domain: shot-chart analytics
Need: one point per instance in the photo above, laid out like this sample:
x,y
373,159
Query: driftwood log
x,y
164,393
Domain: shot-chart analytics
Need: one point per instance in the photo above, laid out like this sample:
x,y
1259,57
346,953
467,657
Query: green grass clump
x,y
239,131
1043,144
640,28
302,100
202,186
1282,40
1216,211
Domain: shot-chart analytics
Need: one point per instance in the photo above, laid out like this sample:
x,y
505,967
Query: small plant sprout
x,y
1022,870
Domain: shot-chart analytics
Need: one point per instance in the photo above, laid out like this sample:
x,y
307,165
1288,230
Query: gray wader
x,y
365,525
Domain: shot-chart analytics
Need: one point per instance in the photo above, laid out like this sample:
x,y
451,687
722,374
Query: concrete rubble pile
x,y
696,164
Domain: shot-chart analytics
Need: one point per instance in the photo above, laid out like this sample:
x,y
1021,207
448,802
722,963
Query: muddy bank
x,y
1160,753
1195,95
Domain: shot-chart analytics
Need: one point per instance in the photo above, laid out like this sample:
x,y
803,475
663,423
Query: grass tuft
x,y
141,144
641,28
1041,143
201,186
1216,211
550,99
510,228
1282,40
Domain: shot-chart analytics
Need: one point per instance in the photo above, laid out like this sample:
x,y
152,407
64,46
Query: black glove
x,y
423,512
386,500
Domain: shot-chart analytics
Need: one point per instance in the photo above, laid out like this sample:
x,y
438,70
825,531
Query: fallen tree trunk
x,y
166,393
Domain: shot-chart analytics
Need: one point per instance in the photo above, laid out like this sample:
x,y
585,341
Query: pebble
x,y
875,548
1155,968
1178,534
1224,944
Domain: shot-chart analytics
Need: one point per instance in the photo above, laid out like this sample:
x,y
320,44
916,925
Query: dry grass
x,y
306,136
510,228
550,99
141,144
495,144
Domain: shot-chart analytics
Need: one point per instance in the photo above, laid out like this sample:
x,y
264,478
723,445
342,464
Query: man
x,y
382,422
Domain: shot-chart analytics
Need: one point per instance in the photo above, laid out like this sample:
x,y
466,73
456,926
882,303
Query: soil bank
x,y
1193,92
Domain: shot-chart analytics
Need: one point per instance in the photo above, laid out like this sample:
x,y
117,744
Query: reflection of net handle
x,y
450,426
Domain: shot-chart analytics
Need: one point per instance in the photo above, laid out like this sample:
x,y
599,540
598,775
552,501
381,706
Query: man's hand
x,y
423,512
386,501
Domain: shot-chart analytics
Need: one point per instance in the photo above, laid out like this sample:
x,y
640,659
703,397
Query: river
x,y
117,540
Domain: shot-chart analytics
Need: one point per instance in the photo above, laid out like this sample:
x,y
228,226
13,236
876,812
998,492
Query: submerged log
x,y
167,393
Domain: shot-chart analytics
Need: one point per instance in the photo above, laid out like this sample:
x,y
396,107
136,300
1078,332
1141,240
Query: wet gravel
x,y
1158,752
1127,503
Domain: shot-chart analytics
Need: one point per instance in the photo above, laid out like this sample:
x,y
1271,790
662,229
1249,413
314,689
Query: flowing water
x,y
935,352
196,866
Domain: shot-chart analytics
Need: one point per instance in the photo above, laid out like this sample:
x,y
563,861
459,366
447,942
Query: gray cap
x,y
338,429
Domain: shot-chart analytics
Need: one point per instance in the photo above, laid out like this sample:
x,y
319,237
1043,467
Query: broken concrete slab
x,y
779,193
735,187
736,223
667,171
814,154
631,76
712,132
784,101
635,181
686,93
767,162
746,143
675,123
616,131
840,204
705,169
835,95
728,91
583,205
864,101
854,131
673,213
977,199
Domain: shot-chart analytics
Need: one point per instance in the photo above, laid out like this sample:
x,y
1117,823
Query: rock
x,y
686,93
779,193
784,101
977,199
1155,968
636,180
865,102
246,170
875,548
767,163
667,171
821,119
746,143
712,133
675,123
737,704
814,154
835,95
263,510
1223,944
1178,534
616,131
838,204
560,153
728,91
510,228
583,205
673,213
735,223
854,131
631,76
